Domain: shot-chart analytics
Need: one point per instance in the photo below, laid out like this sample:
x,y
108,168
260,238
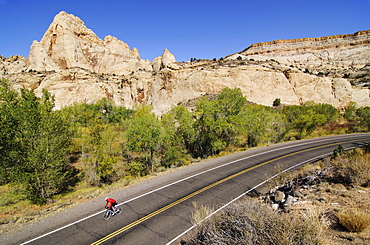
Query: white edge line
x,y
243,194
235,199
176,182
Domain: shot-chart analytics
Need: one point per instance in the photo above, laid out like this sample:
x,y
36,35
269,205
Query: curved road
x,y
159,209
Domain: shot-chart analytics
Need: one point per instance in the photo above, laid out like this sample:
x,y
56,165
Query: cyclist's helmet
x,y
106,199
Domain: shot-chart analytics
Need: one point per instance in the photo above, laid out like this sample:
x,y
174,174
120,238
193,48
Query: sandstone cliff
x,y
69,43
340,55
75,65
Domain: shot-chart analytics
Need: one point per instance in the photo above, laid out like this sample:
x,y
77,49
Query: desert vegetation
x,y
47,155
314,220
250,222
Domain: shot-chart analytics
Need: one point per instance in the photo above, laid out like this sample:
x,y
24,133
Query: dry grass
x,y
352,168
354,220
280,179
200,213
14,214
16,211
251,222
335,210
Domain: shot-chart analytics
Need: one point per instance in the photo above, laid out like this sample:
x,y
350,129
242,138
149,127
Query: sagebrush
x,y
251,222
354,220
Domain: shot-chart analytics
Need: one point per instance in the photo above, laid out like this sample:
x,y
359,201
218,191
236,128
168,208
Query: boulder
x,y
289,201
279,196
297,193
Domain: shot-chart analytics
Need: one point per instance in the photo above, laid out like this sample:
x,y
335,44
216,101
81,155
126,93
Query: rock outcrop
x,y
338,56
75,65
166,60
69,43
12,64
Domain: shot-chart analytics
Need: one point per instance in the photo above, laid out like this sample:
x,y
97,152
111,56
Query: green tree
x,y
109,112
305,119
142,136
9,131
363,114
263,124
172,150
292,111
101,149
37,153
276,102
98,138
350,112
328,111
217,122
44,142
306,123
82,114
231,102
47,171
184,124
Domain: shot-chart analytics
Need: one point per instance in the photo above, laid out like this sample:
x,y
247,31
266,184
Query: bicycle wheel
x,y
118,209
107,215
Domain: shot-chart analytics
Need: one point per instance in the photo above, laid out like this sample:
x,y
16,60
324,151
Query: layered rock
x,y
75,65
260,85
335,50
166,60
336,56
12,64
69,43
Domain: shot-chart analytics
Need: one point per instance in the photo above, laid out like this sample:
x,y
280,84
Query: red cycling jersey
x,y
110,202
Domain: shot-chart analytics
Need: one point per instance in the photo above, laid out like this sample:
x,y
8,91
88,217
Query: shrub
x,y
353,168
253,223
200,213
367,148
276,102
364,117
354,220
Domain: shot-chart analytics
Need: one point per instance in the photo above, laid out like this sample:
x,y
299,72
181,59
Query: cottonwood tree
x,y
38,154
101,146
305,119
98,139
363,114
184,123
263,124
217,122
9,131
350,111
142,137
172,150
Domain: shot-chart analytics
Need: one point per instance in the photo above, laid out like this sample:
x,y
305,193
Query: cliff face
x,y
75,65
69,43
336,56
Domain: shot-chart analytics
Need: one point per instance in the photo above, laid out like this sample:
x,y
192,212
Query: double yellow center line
x,y
133,224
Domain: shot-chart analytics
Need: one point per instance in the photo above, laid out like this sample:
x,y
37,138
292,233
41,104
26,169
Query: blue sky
x,y
202,29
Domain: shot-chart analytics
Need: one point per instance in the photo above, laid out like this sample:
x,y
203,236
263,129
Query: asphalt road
x,y
159,209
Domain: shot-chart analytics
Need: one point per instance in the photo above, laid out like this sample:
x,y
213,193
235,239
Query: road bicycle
x,y
109,213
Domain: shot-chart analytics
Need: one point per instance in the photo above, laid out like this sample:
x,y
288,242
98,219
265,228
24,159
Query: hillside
x,y
74,64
